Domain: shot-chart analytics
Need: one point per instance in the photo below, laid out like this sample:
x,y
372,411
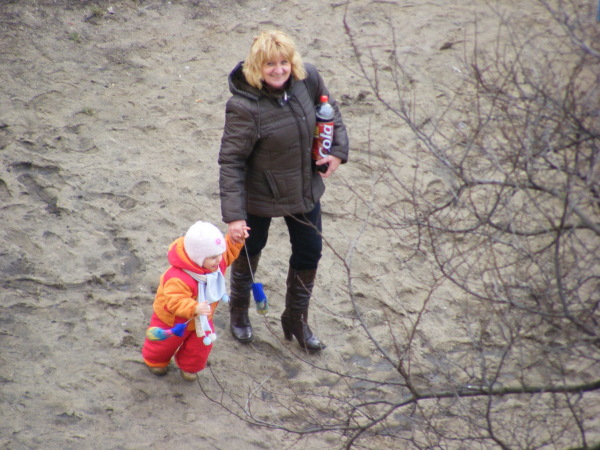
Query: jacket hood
x,y
178,258
239,86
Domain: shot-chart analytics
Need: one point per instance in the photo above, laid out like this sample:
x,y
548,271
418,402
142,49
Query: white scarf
x,y
211,288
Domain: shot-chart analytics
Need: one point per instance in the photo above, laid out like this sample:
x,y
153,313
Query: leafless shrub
x,y
495,206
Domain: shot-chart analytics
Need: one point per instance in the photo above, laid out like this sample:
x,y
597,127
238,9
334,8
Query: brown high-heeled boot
x,y
294,319
239,298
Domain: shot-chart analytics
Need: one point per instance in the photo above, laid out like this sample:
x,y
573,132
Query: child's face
x,y
212,262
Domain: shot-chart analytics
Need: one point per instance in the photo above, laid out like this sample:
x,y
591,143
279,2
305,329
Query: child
x,y
194,280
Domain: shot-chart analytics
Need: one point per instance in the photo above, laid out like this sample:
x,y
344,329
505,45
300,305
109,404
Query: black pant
x,y
305,237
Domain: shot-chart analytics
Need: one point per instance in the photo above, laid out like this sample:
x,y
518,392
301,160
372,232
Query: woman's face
x,y
276,72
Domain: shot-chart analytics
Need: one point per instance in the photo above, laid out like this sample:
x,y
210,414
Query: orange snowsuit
x,y
175,302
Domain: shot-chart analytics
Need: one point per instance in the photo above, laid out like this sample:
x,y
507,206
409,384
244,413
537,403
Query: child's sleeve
x,y
232,251
177,298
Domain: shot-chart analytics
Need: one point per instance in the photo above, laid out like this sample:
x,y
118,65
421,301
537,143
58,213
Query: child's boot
x,y
158,371
188,376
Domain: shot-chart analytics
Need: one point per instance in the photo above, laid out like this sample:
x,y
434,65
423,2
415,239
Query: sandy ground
x,y
111,115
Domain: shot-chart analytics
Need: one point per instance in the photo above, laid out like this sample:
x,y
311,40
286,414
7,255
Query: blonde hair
x,y
267,46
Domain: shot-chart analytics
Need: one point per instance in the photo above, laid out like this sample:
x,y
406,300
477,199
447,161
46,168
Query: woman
x,y
266,172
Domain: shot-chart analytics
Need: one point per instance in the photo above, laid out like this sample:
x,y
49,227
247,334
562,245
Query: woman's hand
x,y
203,309
238,231
333,162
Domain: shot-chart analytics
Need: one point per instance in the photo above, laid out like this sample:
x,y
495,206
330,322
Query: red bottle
x,y
323,132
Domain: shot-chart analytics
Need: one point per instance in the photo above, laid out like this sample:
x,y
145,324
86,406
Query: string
x,y
248,258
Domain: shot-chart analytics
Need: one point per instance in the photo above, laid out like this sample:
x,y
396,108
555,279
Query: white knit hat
x,y
203,240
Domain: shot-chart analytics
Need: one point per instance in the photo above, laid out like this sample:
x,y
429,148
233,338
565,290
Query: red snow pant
x,y
189,350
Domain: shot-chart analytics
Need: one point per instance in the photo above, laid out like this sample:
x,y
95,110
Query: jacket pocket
x,y
285,185
272,185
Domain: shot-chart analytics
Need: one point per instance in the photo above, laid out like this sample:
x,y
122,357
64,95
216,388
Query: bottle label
x,y
323,140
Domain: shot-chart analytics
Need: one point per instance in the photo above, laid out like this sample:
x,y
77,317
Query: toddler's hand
x,y
238,230
203,309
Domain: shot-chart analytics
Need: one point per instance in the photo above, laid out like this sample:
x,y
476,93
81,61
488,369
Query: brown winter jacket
x,y
265,156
